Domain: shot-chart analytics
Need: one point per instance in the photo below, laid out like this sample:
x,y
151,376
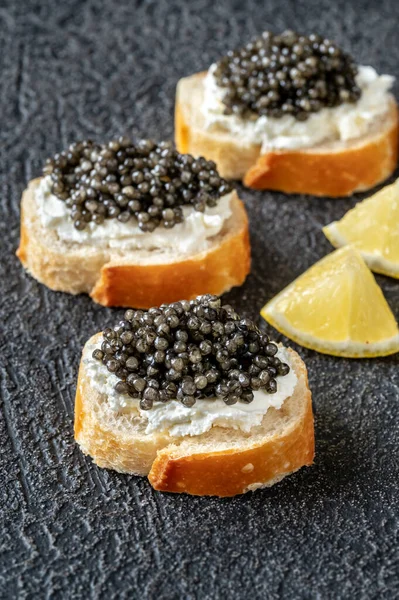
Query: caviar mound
x,y
221,462
286,74
121,179
189,351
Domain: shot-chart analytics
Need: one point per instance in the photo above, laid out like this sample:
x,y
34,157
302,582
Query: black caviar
x,y
145,181
286,74
189,351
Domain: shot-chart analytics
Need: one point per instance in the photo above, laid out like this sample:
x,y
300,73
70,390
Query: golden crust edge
x,y
225,473
291,172
215,271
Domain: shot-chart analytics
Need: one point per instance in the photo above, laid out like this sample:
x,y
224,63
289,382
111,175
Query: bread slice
x,y
221,462
331,169
133,278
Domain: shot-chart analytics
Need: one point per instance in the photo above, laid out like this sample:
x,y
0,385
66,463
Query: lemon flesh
x,y
336,307
373,228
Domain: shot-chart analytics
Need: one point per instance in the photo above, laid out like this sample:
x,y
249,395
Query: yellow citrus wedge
x,y
336,307
373,228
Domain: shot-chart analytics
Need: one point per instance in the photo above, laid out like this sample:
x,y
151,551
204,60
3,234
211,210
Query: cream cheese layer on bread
x,y
192,235
341,123
178,420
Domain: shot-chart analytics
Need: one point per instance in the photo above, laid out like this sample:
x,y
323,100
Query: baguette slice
x,y
133,278
330,169
221,462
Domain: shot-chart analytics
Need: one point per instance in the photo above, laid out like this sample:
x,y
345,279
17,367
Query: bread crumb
x,y
248,468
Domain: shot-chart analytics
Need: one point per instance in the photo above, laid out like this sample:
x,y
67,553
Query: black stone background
x,y
77,69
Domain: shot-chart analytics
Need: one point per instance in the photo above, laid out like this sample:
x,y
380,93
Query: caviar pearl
x,y
122,180
284,74
206,351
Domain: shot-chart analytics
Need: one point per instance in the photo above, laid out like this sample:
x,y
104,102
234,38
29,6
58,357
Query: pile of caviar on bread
x,y
190,351
286,74
144,181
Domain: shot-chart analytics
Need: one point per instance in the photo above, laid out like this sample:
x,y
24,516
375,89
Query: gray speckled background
x,y
75,69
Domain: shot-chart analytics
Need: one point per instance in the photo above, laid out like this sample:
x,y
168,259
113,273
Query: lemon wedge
x,y
336,307
372,226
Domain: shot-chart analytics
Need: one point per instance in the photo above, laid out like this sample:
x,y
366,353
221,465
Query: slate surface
x,y
70,530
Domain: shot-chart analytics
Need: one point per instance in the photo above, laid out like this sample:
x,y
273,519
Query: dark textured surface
x,y
74,69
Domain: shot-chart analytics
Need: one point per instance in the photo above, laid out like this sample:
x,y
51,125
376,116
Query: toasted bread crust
x,y
335,174
214,272
236,471
232,158
113,281
104,445
322,171
172,467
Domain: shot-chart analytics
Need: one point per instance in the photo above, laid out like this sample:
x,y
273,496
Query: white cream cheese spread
x,y
192,235
342,123
178,420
